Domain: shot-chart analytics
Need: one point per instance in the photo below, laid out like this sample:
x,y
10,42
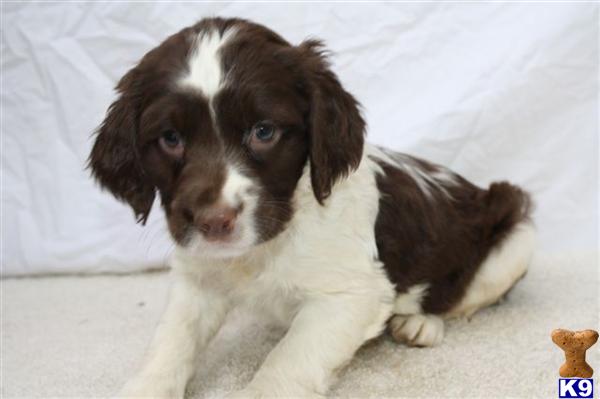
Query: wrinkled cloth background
x,y
493,91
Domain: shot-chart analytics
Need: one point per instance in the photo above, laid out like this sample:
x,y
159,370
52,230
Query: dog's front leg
x,y
192,317
322,338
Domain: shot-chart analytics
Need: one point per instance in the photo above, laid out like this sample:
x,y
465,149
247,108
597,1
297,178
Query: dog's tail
x,y
507,205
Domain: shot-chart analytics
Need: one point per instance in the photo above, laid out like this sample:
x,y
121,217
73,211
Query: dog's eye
x,y
171,142
264,132
262,137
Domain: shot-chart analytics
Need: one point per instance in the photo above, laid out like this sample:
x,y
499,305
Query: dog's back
x,y
441,238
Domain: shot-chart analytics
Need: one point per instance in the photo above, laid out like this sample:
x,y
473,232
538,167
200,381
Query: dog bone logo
x,y
575,343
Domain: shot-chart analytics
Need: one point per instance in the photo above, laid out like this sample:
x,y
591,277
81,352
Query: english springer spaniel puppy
x,y
276,202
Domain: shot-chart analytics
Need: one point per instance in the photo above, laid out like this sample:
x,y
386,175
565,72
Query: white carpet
x,y
84,336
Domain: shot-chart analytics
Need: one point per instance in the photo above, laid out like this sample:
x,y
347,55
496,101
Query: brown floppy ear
x,y
114,159
336,127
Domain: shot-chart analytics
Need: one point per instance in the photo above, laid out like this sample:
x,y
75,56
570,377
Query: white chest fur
x,y
320,277
324,251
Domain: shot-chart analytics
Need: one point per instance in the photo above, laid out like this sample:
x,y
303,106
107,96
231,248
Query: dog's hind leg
x,y
498,273
417,329
503,267
410,325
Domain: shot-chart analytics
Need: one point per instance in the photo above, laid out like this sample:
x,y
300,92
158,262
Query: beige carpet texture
x,y
84,336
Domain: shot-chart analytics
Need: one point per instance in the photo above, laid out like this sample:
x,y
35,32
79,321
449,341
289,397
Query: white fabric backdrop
x,y
491,90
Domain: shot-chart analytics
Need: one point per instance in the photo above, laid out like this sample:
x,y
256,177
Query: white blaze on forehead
x,y
235,189
204,64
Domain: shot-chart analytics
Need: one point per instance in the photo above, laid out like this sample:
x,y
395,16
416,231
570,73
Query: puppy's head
x,y
220,120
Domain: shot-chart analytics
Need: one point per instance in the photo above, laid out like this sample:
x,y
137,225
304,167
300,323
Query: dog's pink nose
x,y
217,223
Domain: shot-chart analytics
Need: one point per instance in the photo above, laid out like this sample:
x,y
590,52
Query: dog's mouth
x,y
231,245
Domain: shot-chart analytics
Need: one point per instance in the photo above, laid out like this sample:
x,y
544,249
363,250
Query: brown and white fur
x,y
276,203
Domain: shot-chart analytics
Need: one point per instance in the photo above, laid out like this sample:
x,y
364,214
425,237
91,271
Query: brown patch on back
x,y
441,240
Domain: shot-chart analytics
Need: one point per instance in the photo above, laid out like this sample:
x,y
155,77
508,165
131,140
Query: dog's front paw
x,y
247,393
151,387
253,392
